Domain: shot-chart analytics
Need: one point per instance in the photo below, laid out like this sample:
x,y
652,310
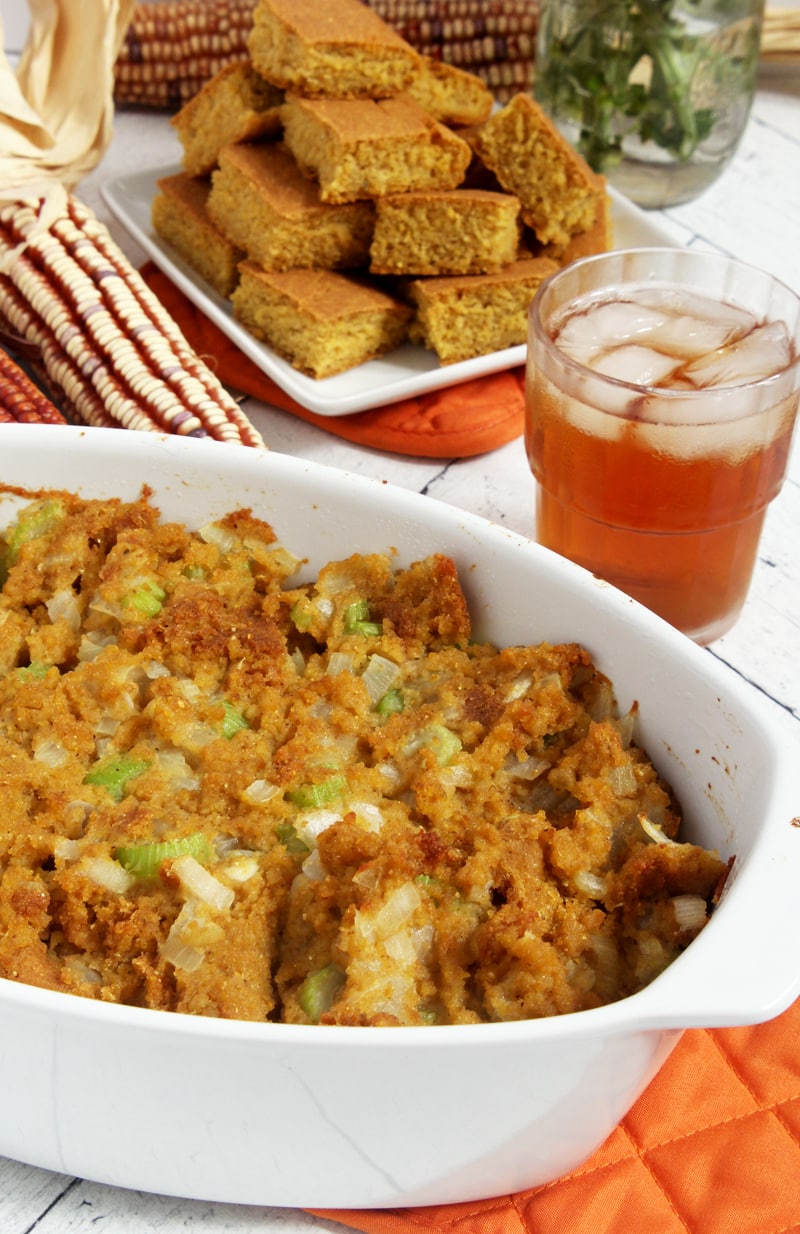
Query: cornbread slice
x,y
558,190
475,314
321,322
260,200
333,48
596,239
440,231
361,148
180,216
450,94
237,104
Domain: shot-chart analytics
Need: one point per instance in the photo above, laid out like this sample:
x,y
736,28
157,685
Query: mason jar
x,y
655,95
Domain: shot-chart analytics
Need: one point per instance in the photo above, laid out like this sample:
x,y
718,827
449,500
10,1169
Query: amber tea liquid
x,y
658,437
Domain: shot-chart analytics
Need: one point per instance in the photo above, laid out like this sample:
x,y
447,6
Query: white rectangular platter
x,y
404,373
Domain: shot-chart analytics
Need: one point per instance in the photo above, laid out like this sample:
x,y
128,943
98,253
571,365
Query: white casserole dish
x,y
354,1117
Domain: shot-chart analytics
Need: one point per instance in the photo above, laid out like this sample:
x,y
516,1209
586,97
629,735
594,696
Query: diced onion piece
x,y
180,954
92,644
107,873
339,662
653,831
625,726
395,911
622,780
313,868
690,912
259,792
154,669
241,867
82,970
590,884
526,768
50,753
63,606
175,767
197,882
221,537
519,686
368,815
310,825
401,949
66,850
379,676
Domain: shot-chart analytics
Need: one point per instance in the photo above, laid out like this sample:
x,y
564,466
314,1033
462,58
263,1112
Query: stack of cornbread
x,y
348,193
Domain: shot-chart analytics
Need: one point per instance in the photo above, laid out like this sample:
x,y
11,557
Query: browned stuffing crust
x,y
364,817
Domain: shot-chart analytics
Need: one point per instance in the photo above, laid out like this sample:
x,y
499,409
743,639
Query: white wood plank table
x,y
752,212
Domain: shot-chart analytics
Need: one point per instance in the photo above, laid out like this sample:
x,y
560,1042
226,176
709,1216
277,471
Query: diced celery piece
x,y
233,721
35,671
34,521
194,573
311,796
287,834
115,772
300,616
391,703
444,743
147,599
357,620
145,860
318,992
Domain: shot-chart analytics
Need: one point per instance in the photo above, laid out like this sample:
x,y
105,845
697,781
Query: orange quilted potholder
x,y
711,1147
456,422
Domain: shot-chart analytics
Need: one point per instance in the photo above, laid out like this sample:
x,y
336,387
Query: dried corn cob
x,y
21,400
108,346
173,48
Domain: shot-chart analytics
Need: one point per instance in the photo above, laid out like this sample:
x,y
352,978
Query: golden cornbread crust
x,y
214,801
460,231
337,50
321,322
450,94
262,202
559,192
365,148
237,104
467,316
180,216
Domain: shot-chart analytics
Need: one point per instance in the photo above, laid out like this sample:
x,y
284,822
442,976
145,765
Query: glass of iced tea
x,y
661,396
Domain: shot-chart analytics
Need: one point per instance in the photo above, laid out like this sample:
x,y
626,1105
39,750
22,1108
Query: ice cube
x,y
681,302
761,353
636,365
603,325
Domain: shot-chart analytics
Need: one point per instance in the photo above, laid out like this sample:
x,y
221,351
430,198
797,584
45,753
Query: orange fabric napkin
x,y
457,422
711,1147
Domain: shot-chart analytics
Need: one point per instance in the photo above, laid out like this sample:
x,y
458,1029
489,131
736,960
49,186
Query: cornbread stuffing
x,y
228,792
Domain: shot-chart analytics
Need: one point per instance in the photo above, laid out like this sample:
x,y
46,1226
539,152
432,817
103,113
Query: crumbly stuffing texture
x,y
558,190
465,316
367,148
339,50
461,231
180,216
322,322
449,93
261,202
237,104
228,791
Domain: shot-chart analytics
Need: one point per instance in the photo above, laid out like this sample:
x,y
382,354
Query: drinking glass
x,y
659,431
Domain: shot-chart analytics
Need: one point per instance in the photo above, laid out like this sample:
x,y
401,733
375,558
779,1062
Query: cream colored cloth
x,y
56,110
